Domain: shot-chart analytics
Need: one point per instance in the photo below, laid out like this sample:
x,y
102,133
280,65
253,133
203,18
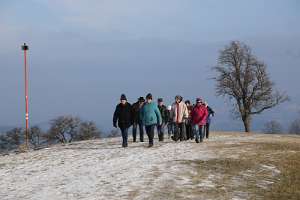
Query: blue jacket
x,y
150,114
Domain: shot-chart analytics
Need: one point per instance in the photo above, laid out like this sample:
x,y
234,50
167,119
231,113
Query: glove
x,y
115,125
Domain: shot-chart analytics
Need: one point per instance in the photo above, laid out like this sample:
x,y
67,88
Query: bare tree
x,y
272,127
15,136
12,139
35,134
244,80
63,129
88,130
295,127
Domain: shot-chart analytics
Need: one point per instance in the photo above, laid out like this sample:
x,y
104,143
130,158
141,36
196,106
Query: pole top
x,y
25,47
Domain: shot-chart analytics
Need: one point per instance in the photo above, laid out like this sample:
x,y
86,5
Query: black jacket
x,y
123,115
164,113
210,111
136,112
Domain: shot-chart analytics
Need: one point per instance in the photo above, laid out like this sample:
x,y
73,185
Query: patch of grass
x,y
288,185
229,180
245,177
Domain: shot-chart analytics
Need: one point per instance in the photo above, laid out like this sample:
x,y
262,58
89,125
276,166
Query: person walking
x,y
164,115
188,123
179,114
170,122
198,117
123,115
136,108
151,117
211,114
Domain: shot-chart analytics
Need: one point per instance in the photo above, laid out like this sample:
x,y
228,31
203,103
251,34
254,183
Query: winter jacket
x,y
190,108
199,115
169,116
150,114
179,112
164,113
123,115
210,114
136,108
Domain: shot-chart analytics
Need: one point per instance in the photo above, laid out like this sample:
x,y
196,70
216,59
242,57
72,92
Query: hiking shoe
x,y
150,145
197,141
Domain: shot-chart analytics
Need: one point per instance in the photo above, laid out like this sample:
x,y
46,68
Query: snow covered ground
x,y
101,169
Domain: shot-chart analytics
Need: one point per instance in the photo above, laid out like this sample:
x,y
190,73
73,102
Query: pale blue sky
x,y
84,54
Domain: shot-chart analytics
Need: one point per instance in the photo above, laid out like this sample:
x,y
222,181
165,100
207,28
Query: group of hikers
x,y
183,120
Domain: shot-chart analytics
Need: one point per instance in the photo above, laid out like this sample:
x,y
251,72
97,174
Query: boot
x,y
159,137
150,145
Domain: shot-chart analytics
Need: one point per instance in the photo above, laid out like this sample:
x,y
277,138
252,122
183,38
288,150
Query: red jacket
x,y
199,115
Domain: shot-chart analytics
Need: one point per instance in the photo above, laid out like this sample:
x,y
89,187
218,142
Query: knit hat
x,y
149,96
160,100
141,99
199,100
123,97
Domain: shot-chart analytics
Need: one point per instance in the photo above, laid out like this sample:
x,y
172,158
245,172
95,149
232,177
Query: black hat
x,y
123,97
187,102
160,100
149,96
141,99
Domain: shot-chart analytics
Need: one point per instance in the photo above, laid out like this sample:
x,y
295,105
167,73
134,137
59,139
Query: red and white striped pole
x,y
25,49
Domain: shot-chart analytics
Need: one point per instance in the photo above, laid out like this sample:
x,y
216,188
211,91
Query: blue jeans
x,y
170,129
124,132
197,129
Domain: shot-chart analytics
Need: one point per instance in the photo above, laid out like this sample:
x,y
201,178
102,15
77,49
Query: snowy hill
x,y
227,166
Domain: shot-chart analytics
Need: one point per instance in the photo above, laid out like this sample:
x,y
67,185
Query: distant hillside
x,y
226,166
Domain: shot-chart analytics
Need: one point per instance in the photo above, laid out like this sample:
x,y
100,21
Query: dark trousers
x,y
189,131
124,132
141,130
207,130
179,132
150,133
170,129
160,131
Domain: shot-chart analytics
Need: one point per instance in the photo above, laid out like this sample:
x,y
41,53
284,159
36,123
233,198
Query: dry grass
x,y
266,168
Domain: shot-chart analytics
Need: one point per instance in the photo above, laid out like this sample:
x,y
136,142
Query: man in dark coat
x,y
123,115
164,115
136,107
211,114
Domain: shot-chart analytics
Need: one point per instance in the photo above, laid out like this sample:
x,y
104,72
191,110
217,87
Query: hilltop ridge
x,y
226,166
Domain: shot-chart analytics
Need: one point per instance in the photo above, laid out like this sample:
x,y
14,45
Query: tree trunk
x,y
247,123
